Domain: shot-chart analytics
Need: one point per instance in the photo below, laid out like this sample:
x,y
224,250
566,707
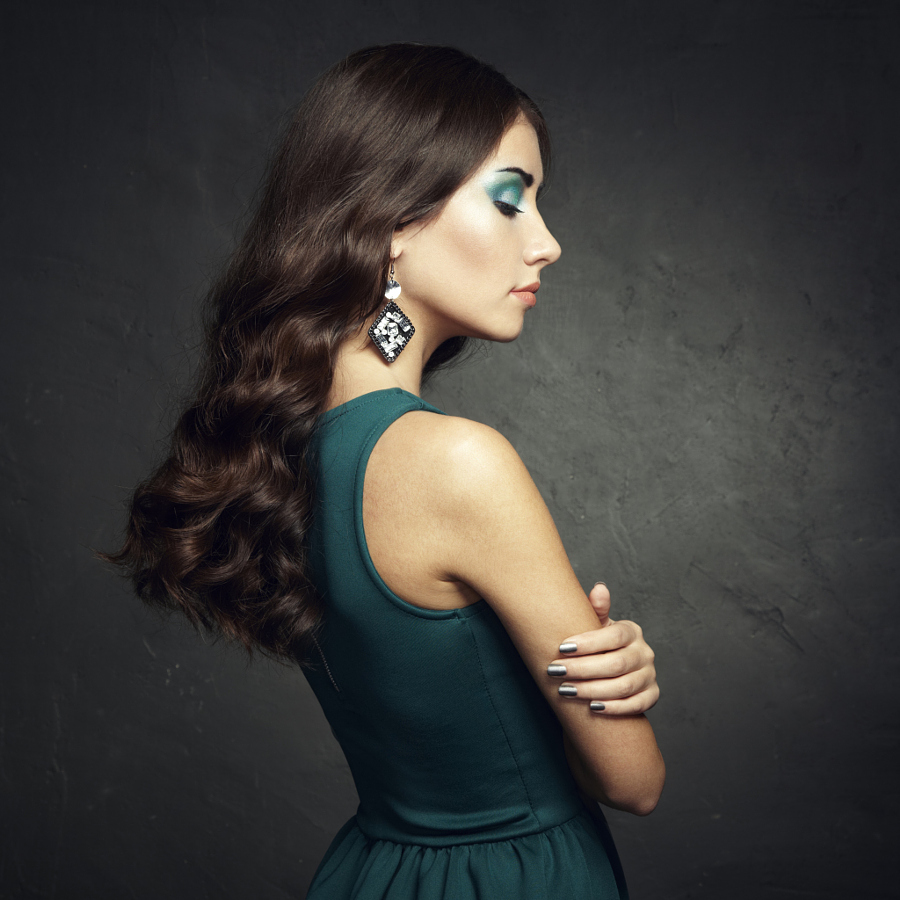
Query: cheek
x,y
479,240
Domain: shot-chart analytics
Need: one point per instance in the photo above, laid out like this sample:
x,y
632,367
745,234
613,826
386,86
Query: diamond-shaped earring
x,y
392,329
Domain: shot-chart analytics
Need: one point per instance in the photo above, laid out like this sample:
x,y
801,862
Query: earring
x,y
392,329
392,289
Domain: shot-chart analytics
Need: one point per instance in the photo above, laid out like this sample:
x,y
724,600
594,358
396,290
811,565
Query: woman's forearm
x,y
627,772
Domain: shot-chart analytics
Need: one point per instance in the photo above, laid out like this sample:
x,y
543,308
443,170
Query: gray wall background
x,y
707,395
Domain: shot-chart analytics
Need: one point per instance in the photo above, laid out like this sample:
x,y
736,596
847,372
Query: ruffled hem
x,y
568,860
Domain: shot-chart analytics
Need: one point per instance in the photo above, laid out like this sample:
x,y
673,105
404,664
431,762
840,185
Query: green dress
x,y
458,759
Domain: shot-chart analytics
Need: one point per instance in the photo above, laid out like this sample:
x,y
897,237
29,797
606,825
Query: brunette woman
x,y
315,507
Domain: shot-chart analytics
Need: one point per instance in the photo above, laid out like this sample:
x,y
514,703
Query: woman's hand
x,y
612,667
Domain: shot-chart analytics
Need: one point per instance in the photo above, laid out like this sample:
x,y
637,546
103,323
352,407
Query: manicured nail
x,y
568,647
568,690
556,670
597,706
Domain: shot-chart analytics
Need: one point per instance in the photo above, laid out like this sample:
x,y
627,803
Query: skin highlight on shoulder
x,y
448,459
416,525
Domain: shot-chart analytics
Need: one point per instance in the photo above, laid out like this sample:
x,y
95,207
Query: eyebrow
x,y
528,179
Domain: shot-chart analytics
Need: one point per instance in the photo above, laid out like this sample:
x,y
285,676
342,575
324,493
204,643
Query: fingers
x,y
626,696
630,706
629,660
601,601
611,668
638,677
602,640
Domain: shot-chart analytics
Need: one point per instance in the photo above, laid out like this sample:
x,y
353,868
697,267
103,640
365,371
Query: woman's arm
x,y
472,516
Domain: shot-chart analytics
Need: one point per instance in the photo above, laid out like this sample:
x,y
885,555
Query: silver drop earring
x,y
392,289
392,329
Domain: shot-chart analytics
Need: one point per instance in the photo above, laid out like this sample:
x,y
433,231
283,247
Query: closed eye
x,y
507,208
506,188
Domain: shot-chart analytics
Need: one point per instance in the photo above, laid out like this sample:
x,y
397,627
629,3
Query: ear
x,y
403,237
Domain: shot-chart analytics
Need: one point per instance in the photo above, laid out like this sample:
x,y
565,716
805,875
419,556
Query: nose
x,y
542,248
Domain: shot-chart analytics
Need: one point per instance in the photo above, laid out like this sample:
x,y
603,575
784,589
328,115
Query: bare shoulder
x,y
454,460
450,434
423,482
469,500
438,492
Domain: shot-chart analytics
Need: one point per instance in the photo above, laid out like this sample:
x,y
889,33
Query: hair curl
x,y
382,140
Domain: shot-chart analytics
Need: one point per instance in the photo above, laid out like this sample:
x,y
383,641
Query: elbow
x,y
638,804
635,788
644,806
642,798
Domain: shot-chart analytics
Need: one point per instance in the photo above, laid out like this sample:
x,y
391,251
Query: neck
x,y
361,369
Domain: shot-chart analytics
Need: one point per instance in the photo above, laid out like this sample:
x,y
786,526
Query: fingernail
x,y
568,690
599,582
556,670
597,706
568,647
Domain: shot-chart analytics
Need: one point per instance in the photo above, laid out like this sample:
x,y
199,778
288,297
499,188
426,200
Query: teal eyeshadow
x,y
508,189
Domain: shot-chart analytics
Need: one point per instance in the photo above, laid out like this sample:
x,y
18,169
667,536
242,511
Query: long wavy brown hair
x,y
382,140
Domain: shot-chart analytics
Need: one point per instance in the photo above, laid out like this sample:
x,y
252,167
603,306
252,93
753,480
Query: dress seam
x,y
513,838
499,718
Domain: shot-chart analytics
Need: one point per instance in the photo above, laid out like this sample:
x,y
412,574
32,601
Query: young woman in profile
x,y
315,507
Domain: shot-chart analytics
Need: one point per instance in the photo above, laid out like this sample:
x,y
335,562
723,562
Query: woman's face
x,y
474,268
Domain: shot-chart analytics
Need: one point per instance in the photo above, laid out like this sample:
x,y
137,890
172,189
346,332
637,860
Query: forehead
x,y
518,147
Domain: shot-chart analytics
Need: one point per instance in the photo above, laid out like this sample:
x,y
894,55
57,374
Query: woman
x,y
313,506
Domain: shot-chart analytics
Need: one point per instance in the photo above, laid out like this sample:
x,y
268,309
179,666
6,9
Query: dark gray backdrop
x,y
706,395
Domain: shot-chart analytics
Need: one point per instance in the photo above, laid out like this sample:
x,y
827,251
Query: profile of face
x,y
472,270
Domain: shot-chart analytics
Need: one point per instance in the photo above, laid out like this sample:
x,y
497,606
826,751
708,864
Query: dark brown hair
x,y
382,140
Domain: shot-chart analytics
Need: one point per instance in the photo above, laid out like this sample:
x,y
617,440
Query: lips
x,y
526,294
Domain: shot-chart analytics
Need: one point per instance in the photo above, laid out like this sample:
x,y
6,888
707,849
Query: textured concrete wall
x,y
706,393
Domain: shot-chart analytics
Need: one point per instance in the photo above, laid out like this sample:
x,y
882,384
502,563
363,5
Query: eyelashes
x,y
507,209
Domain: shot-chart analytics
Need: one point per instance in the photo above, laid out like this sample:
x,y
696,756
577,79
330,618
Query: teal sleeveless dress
x,y
458,759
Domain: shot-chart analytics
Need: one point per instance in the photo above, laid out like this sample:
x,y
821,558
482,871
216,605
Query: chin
x,y
507,339
503,335
499,331
511,335
496,337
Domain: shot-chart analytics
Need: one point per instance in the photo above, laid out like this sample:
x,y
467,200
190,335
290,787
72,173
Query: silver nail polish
x,y
556,670
597,706
568,690
568,647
